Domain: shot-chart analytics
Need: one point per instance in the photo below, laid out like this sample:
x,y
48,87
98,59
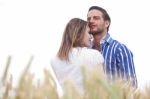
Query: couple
x,y
115,58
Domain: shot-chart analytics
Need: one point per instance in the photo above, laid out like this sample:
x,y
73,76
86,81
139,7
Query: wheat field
x,y
95,87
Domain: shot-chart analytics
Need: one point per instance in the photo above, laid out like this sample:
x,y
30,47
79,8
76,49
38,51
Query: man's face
x,y
96,22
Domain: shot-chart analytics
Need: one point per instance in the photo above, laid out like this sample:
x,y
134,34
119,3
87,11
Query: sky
x,y
35,27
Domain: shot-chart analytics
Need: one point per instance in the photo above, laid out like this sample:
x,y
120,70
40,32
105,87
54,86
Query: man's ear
x,y
107,23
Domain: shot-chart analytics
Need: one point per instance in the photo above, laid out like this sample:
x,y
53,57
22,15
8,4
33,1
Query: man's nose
x,y
91,20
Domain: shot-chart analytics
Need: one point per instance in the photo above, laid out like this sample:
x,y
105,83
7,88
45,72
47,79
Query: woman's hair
x,y
72,37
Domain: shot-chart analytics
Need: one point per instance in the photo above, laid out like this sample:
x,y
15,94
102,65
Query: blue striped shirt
x,y
118,60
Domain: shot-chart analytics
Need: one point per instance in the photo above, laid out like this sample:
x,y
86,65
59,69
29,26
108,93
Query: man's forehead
x,y
94,12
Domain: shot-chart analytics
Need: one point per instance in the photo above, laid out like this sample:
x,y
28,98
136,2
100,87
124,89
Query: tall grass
x,y
95,87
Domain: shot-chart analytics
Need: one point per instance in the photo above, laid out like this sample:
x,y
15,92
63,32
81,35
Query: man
x,y
118,58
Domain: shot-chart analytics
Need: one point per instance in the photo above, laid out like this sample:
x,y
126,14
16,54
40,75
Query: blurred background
x,y
35,27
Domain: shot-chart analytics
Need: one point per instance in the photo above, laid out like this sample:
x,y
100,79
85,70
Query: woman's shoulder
x,y
90,51
56,62
89,57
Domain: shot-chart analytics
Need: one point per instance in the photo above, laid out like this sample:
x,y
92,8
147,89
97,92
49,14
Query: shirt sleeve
x,y
126,64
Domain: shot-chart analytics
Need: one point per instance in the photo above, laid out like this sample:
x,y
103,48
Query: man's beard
x,y
96,32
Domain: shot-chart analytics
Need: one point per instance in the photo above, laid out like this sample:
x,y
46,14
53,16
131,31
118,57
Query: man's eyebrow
x,y
96,16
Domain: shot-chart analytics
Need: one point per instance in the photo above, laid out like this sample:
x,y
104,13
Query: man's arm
x,y
126,64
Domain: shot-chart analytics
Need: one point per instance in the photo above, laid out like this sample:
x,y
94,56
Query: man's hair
x,y
104,12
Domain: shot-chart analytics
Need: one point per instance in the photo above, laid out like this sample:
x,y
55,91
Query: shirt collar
x,y
106,39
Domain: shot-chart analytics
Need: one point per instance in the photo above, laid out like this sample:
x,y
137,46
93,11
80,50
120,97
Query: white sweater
x,y
78,57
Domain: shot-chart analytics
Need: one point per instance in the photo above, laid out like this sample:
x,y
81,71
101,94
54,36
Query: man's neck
x,y
97,39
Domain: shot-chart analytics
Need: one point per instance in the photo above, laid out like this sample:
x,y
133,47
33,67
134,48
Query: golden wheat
x,y
95,87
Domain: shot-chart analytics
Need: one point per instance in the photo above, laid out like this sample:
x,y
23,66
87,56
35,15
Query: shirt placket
x,y
102,47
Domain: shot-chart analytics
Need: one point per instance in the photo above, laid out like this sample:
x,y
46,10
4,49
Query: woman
x,y
74,52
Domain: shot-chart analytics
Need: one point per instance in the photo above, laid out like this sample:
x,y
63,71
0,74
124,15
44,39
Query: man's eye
x,y
96,18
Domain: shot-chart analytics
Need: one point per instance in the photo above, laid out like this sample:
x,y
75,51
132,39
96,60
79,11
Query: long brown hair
x,y
72,37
